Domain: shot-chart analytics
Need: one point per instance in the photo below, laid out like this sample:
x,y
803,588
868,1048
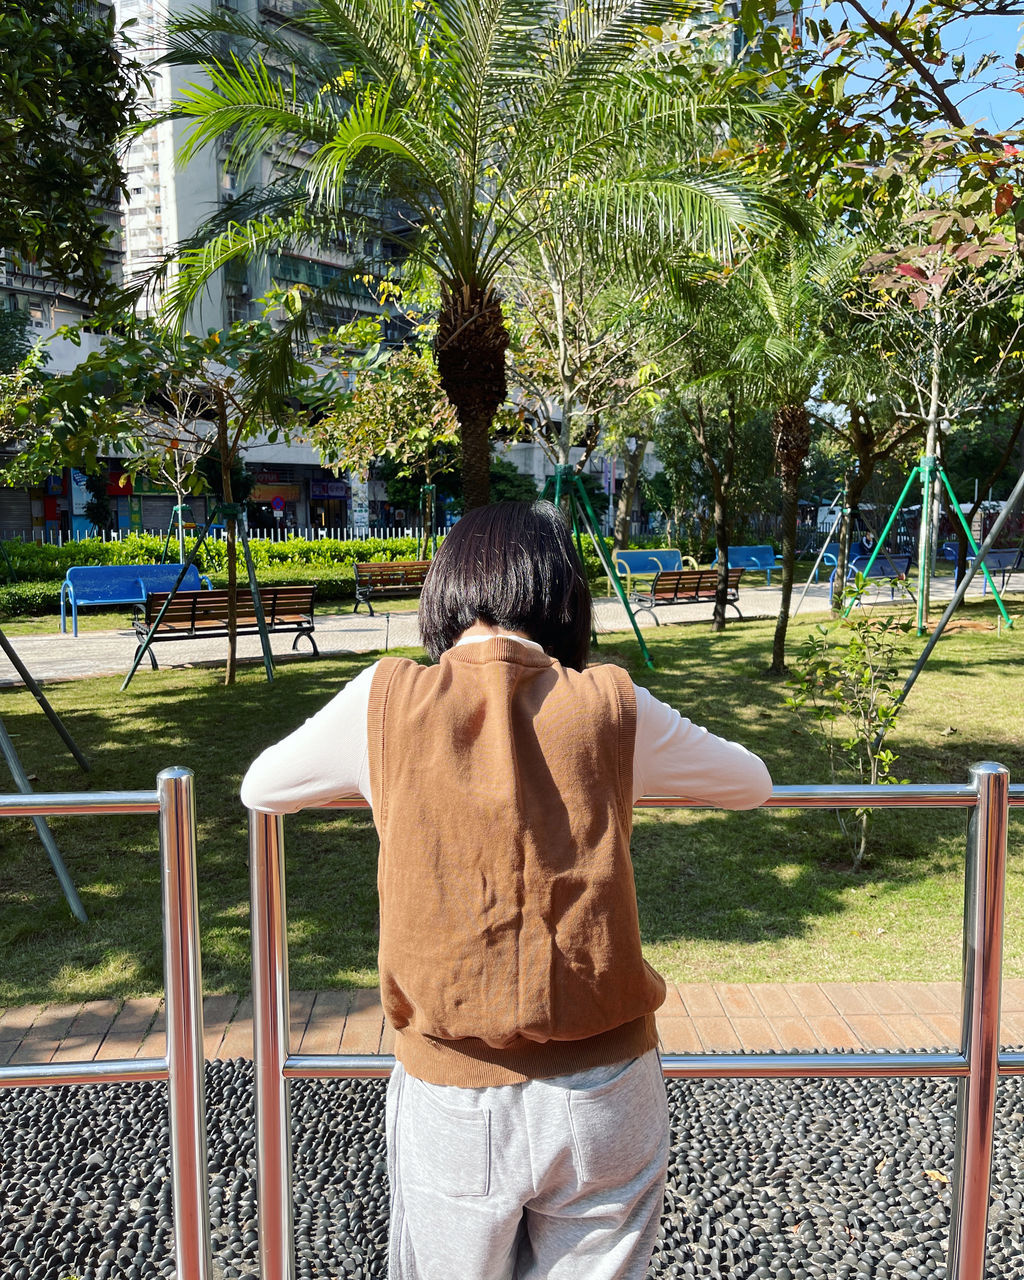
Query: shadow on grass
x,y
702,877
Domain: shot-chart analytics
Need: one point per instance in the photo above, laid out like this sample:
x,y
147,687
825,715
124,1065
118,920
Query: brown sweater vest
x,y
509,938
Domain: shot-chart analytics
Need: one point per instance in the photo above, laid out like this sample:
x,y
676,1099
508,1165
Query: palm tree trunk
x,y
792,444
470,352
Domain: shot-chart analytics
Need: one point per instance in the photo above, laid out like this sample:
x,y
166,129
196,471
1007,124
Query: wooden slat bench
x,y
203,615
388,578
687,586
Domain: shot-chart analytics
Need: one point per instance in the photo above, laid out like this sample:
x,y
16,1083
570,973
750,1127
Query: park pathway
x,y
56,656
695,1018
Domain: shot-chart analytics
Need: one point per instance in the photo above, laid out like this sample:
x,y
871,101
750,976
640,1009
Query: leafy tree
x,y
15,342
847,678
396,410
66,96
167,401
98,510
888,100
444,129
791,292
944,299
508,484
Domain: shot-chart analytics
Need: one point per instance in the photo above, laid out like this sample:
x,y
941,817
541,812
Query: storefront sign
x,y
327,489
360,501
135,513
268,492
79,493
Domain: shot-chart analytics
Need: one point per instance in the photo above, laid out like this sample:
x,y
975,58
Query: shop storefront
x,y
328,504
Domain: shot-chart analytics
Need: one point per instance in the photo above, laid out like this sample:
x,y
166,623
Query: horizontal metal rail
x,y
976,1067
81,804
182,1067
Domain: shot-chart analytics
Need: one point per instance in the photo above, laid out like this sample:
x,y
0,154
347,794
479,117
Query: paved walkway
x,y
695,1018
57,656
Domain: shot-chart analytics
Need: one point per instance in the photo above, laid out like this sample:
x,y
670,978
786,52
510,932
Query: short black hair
x,y
513,565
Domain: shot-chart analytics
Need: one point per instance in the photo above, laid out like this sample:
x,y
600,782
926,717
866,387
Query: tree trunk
x,y
722,537
627,492
926,534
470,352
792,444
224,449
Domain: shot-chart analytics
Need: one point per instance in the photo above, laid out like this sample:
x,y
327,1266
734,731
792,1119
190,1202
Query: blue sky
x,y
982,101
1001,108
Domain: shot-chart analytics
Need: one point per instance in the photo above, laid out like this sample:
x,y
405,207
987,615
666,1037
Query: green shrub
x,y
29,598
40,568
326,561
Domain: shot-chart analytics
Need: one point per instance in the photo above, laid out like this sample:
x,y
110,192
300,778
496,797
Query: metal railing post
x,y
183,978
270,1048
984,893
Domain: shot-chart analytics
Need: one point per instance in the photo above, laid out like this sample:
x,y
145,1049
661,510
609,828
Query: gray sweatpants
x,y
559,1179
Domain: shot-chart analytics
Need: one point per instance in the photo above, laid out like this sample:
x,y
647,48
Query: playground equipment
x,y
927,469
958,595
25,787
566,483
226,511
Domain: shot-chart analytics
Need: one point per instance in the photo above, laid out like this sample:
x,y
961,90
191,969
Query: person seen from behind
x,y
527,1123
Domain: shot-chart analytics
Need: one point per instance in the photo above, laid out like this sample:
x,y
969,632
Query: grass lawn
x,y
723,897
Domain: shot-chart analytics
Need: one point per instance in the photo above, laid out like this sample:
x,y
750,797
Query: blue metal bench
x,y
109,584
888,565
861,549
1004,560
760,559
636,564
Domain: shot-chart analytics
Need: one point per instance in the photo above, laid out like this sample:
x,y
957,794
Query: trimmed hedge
x,y
29,599
326,561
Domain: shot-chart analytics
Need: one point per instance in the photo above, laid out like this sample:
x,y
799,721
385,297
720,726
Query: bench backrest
x,y
886,565
649,561
399,573
999,558
762,557
125,583
207,607
691,583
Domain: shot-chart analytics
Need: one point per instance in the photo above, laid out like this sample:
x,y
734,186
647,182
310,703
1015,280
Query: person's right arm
x,y
675,757
324,759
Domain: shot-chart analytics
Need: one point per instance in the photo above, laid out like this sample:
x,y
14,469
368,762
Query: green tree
x,y
396,410
791,291
944,298
163,399
443,128
66,96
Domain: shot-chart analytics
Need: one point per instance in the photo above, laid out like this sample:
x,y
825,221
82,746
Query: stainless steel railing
x,y
182,1067
976,1067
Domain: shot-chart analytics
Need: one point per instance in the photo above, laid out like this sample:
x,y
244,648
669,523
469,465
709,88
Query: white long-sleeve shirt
x,y
326,758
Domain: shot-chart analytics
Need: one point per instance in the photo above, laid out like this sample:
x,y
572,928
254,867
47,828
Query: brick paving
x,y
727,1017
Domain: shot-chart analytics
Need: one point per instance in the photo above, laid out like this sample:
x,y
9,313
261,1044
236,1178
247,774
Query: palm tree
x,y
791,292
449,128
